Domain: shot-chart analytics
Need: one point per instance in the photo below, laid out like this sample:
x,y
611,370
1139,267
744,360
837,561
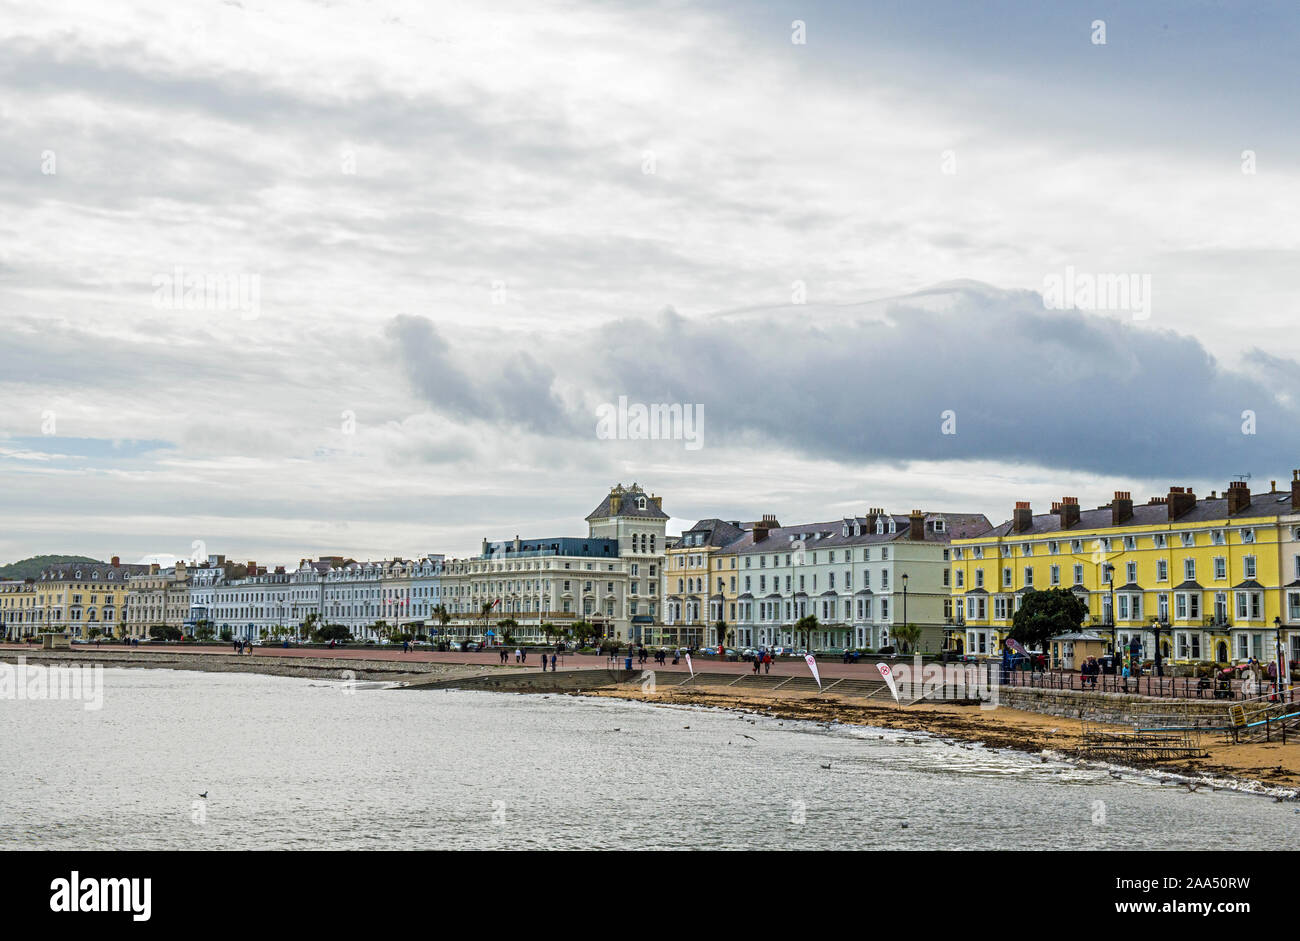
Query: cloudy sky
x,y
456,230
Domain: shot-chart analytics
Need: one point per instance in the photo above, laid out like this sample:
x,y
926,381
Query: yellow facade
x,y
79,597
700,586
17,609
1205,575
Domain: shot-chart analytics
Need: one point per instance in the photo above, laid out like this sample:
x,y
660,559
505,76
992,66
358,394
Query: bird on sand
x,y
204,795
826,767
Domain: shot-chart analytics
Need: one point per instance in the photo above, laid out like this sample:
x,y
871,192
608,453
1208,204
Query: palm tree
x,y
724,634
548,630
806,624
507,629
443,615
485,609
906,634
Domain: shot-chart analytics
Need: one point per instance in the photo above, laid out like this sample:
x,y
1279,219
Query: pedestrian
x,y
518,656
767,662
552,661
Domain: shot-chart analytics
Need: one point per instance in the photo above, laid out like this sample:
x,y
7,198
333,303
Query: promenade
x,y
830,667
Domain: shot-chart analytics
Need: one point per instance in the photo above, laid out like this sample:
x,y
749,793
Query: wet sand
x,y
1252,766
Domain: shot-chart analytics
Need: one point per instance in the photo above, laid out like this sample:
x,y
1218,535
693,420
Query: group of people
x,y
763,661
242,646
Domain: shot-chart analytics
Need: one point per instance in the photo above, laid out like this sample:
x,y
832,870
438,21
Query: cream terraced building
x,y
610,577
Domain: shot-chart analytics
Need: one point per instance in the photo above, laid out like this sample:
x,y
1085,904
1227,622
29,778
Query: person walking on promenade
x,y
767,662
517,655
552,661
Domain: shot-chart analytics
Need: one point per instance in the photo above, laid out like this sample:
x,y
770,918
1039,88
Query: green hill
x,y
30,568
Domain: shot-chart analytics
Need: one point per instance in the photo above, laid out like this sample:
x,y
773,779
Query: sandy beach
x,y
1267,765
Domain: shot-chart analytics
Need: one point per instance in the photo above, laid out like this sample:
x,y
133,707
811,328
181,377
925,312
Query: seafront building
x,y
857,575
84,599
158,597
700,586
1215,578
1208,579
17,608
610,578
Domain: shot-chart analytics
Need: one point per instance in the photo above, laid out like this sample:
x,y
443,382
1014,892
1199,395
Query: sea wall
x,y
1102,707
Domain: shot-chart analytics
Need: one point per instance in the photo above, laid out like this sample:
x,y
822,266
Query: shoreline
x,y
1261,767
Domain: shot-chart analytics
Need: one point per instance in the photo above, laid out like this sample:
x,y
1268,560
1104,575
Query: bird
x,y
750,737
826,767
618,730
204,795
904,826
1115,774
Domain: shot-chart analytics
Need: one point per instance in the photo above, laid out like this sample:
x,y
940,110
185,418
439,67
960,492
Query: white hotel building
x,y
611,577
858,575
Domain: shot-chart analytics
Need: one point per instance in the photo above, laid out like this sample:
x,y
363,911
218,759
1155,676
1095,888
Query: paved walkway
x,y
831,667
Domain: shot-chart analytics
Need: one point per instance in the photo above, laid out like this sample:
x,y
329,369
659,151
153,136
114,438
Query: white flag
x,y
688,665
812,665
889,678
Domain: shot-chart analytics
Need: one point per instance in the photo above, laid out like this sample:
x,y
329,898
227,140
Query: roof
x,y
90,571
1205,510
713,532
781,538
628,500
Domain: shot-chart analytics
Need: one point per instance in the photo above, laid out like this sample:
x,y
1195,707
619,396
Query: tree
x,y
548,630
204,630
906,635
485,609
582,631
94,632
335,632
506,628
806,625
724,633
1044,614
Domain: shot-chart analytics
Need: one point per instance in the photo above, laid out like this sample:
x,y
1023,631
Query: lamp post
x,y
1283,679
904,599
1156,627
1108,572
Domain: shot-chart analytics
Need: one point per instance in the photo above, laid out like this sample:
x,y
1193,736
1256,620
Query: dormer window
x,y
640,503
893,527
939,526
880,526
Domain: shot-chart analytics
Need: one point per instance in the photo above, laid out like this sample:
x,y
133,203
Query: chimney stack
x,y
1022,518
1180,501
1238,497
116,561
1069,510
252,568
1121,508
916,525
768,522
1295,491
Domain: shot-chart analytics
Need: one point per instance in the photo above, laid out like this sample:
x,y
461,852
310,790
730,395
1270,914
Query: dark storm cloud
x,y
511,387
1061,389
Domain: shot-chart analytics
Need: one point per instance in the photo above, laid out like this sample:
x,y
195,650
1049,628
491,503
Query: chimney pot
x,y
1238,497
1023,517
1121,507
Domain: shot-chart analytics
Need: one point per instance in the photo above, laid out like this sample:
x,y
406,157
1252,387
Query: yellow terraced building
x,y
1216,579
700,585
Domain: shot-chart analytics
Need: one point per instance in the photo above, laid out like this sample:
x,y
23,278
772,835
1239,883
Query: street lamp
x,y
1108,572
1156,627
1283,676
904,599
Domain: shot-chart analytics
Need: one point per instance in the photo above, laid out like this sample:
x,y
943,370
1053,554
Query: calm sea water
x,y
290,763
